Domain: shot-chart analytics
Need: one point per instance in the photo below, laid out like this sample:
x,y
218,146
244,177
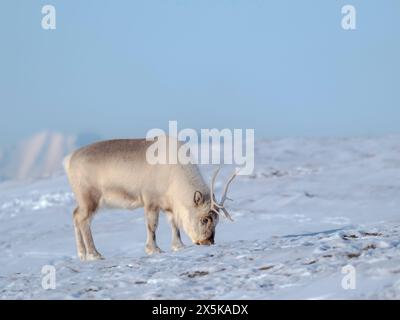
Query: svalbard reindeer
x,y
115,173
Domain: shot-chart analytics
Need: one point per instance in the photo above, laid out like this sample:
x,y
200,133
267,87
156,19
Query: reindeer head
x,y
207,212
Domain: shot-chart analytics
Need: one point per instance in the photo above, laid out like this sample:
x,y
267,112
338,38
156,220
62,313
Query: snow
x,y
311,207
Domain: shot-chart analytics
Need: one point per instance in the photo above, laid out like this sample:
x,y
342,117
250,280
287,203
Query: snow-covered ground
x,y
312,207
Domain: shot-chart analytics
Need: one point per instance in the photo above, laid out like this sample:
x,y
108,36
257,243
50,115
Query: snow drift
x,y
311,207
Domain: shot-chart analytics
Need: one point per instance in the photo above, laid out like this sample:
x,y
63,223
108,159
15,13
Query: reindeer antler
x,y
214,205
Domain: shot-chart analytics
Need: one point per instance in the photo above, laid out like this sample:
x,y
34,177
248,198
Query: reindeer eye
x,y
205,220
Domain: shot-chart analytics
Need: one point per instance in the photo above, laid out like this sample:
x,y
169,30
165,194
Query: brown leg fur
x,y
152,215
83,215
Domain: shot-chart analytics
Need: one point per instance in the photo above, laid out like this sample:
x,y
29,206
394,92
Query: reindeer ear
x,y
198,198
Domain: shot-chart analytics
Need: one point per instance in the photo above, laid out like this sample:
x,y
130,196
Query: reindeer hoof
x,y
94,257
82,256
178,247
153,250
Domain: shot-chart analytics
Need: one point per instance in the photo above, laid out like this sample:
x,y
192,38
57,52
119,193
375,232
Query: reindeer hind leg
x,y
80,245
87,208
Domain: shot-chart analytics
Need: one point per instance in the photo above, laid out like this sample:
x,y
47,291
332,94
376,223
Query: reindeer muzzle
x,y
206,242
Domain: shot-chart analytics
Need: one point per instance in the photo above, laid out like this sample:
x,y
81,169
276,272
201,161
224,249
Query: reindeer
x,y
115,173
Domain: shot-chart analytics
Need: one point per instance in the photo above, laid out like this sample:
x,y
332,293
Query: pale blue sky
x,y
119,68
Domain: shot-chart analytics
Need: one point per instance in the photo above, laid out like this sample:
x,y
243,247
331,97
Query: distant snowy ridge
x,y
39,156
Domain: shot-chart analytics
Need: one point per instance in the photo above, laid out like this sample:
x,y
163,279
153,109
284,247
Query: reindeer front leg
x,y
177,243
152,223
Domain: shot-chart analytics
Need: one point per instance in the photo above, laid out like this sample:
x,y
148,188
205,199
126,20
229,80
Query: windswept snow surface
x,y
312,207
